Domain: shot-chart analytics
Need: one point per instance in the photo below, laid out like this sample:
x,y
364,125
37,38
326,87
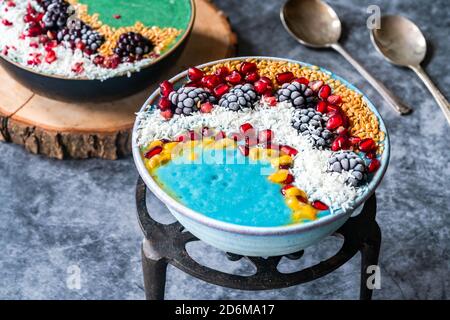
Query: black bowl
x,y
88,90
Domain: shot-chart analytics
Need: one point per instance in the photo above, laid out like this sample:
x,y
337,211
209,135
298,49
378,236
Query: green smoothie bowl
x,y
260,156
92,50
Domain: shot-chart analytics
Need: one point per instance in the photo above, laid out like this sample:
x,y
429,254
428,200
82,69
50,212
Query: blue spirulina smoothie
x,y
225,185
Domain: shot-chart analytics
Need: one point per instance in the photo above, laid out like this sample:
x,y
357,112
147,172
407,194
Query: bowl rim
x,y
166,54
253,230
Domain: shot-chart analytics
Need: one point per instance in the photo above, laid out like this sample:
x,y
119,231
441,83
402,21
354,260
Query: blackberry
x,y
187,99
56,15
240,97
296,93
312,123
77,31
44,4
132,46
350,162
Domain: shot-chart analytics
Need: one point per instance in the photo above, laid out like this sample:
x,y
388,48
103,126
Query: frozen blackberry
x,y
56,15
46,3
312,123
296,93
240,97
350,162
186,100
77,31
132,46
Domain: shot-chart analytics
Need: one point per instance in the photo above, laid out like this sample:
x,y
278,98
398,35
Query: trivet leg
x,y
154,268
369,257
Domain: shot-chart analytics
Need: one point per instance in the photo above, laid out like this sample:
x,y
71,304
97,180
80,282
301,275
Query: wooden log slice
x,y
101,130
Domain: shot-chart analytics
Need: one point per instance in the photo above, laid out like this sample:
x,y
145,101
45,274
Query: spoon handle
x,y
393,101
438,96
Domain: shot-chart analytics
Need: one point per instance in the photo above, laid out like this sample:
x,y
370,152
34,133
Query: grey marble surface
x,y
59,214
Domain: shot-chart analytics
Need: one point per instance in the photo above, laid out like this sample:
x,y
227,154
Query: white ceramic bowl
x,y
256,241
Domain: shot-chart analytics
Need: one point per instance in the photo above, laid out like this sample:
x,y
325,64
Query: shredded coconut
x,y
310,164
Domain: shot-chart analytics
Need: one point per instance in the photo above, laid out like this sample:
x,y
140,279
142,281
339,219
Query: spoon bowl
x,y
400,41
312,22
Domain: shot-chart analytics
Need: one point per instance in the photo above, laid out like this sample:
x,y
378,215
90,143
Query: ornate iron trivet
x,y
164,244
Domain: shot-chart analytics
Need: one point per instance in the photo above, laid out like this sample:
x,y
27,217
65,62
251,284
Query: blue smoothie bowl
x,y
252,240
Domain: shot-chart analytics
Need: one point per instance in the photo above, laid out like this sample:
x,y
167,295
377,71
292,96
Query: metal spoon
x,y
400,41
315,24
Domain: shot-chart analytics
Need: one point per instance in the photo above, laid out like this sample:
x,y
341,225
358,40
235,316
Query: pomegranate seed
x,y
324,91
252,77
192,84
164,104
165,88
319,205
322,107
334,122
283,190
371,155
245,150
284,77
248,67
265,135
222,72
234,77
354,140
34,31
43,39
367,145
271,100
221,89
181,138
261,86
50,45
7,22
331,110
374,165
271,145
78,67
251,140
167,114
50,56
340,143
153,152
316,85
266,80
34,45
80,45
302,199
192,135
98,60
117,16
207,132
334,100
112,62
301,80
11,3
220,135
246,127
342,131
206,107
211,81
289,179
5,50
195,74
288,150
236,136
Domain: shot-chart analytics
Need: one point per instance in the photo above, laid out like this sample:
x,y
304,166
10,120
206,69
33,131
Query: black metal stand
x,y
164,244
